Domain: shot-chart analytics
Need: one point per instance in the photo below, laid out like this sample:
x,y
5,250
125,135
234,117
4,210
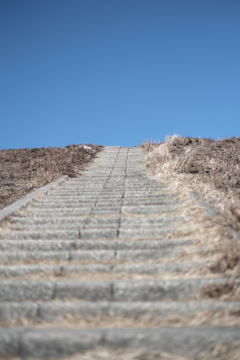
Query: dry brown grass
x,y
211,169
223,291
219,352
229,259
122,354
24,170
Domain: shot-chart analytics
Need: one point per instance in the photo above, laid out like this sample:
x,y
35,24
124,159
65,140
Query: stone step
x,y
119,290
55,219
75,234
94,230
90,197
58,234
55,343
127,201
76,200
49,311
106,211
85,212
149,233
77,212
53,245
97,255
62,226
90,222
8,271
53,206
150,209
125,209
74,194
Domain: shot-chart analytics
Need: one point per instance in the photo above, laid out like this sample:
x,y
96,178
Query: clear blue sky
x,y
118,72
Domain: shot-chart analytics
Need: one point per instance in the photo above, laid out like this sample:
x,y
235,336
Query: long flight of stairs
x,y
91,265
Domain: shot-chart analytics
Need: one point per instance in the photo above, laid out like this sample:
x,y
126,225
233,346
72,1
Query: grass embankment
x,y
24,170
211,169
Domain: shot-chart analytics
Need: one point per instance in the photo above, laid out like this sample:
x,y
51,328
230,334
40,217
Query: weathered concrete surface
x,y
95,247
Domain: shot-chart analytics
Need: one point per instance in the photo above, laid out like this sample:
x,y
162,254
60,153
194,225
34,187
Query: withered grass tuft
x,y
24,170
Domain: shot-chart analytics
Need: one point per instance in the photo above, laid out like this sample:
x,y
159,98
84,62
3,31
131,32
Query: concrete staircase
x,y
90,265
